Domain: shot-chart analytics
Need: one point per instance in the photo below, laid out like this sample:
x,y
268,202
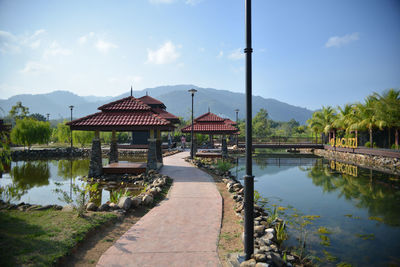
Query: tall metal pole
x,y
237,125
248,178
71,107
192,91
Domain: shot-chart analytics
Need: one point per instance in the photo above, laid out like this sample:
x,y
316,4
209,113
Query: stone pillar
x,y
96,165
224,147
113,156
152,152
211,141
158,147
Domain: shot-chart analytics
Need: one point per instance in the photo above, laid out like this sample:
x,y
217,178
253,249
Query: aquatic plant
x,y
224,165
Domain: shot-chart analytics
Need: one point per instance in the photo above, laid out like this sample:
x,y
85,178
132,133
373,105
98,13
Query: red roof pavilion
x,y
126,114
158,107
209,123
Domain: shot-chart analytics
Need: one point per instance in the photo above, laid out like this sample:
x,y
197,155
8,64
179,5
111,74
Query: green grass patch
x,y
40,238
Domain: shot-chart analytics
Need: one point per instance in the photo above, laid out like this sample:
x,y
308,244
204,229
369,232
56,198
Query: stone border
x,y
383,164
267,252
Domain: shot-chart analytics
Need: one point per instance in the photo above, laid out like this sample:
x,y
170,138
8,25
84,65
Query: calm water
x,y
35,182
360,207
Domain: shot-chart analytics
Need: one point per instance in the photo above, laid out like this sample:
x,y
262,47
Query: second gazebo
x,y
211,124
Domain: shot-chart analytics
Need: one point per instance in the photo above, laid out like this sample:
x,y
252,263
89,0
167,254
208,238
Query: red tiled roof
x,y
165,114
131,118
128,103
150,101
208,117
210,127
229,121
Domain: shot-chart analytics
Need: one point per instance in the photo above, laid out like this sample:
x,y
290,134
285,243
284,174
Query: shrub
x,y
223,165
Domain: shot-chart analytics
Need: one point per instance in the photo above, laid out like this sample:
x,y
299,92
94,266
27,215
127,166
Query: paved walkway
x,y
182,231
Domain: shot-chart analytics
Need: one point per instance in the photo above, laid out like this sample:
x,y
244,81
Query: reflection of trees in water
x,y
261,162
79,168
25,177
366,190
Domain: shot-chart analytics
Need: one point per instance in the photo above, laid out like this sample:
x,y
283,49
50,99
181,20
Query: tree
x,y
82,137
368,116
63,132
18,111
388,111
5,155
260,124
38,117
28,131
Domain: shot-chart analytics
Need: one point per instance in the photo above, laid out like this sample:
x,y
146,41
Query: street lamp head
x,y
192,91
71,107
237,110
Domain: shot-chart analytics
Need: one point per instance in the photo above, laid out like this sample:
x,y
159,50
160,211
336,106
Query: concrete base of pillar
x,y
96,165
224,148
152,155
159,151
113,156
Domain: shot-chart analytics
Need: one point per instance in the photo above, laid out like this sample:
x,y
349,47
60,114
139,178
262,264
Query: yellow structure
x,y
344,142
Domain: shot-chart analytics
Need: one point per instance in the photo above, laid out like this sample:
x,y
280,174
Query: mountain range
x,y
176,98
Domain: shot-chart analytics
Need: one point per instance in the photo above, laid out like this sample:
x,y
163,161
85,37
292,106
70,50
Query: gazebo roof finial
x,y
209,109
147,93
131,91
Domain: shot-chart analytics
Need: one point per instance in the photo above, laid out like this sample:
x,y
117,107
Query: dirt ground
x,y
231,230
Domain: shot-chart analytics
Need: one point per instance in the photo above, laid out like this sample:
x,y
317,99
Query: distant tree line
x,y
378,111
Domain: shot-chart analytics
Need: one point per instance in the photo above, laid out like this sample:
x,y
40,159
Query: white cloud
x,y
10,43
35,44
134,79
35,67
167,53
338,41
236,54
83,39
220,54
104,46
56,50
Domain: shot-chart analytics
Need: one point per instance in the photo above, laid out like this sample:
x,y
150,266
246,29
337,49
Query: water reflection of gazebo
x,y
211,124
128,114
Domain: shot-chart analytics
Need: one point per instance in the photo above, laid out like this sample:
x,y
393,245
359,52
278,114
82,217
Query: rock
x,y
68,208
237,186
249,263
268,235
265,248
259,229
274,247
153,191
158,189
262,264
104,207
270,230
91,206
260,257
290,258
136,201
276,258
113,206
147,200
125,203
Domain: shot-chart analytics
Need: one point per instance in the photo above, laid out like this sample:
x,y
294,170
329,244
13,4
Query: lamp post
x,y
48,116
248,178
192,91
237,125
71,108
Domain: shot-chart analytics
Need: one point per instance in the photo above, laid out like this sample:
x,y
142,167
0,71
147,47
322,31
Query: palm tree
x,y
315,124
344,118
322,121
368,116
388,110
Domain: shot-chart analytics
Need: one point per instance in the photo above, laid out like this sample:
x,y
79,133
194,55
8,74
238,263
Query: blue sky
x,y
306,53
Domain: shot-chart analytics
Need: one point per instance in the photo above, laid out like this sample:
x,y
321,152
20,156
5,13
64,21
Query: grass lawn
x,y
40,238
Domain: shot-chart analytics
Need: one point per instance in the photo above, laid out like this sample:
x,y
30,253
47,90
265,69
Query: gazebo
x,y
140,137
127,114
211,124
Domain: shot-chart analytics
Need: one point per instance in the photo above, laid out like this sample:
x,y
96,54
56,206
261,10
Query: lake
x,y
35,182
359,207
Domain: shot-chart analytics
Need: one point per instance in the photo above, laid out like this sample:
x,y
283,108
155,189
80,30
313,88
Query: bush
x,y
28,131
367,144
224,166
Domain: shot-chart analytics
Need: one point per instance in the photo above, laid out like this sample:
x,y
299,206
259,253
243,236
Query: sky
x,y
306,53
